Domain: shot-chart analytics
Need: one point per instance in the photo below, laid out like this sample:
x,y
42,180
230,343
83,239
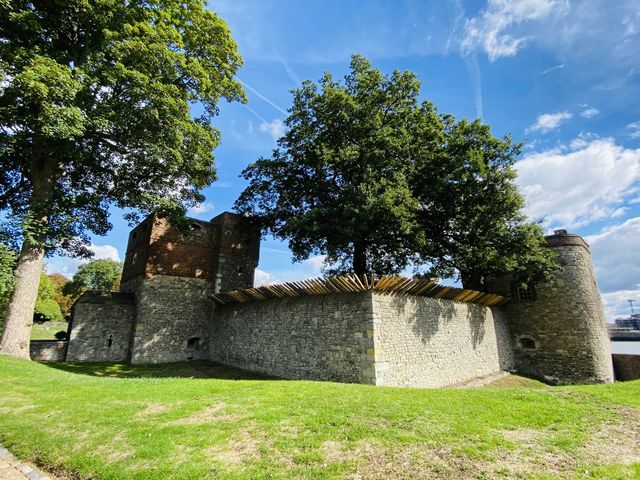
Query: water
x,y
627,347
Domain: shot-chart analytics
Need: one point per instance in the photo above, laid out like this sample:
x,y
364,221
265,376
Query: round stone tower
x,y
558,328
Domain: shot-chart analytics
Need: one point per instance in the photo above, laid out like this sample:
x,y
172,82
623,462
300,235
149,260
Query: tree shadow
x,y
197,369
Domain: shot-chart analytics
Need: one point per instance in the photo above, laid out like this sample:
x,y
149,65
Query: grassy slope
x,y
47,330
99,421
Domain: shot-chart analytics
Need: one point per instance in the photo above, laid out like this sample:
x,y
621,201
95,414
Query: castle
x,y
166,311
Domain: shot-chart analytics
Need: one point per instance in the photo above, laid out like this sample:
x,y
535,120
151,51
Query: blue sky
x,y
562,76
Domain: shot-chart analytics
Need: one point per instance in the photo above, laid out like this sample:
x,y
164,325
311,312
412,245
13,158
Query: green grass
x,y
47,330
145,422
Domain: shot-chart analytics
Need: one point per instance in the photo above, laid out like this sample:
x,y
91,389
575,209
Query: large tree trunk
x,y
19,319
359,259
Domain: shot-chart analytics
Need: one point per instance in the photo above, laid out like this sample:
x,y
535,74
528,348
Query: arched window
x,y
193,343
527,343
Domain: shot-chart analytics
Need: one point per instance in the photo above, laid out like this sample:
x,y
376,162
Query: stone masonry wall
x,y
561,336
48,350
324,337
101,328
173,320
426,342
627,367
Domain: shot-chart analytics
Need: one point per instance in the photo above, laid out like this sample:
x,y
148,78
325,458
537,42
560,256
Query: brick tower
x,y
172,277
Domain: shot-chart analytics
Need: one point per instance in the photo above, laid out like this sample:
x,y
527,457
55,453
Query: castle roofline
x,y
561,238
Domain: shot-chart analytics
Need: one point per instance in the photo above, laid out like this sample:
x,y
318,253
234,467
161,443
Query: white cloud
x,y
616,303
617,256
68,266
490,31
263,278
316,263
574,188
549,121
634,127
201,209
589,112
274,128
108,252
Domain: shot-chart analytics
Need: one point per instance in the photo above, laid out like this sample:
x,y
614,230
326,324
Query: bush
x,y
47,310
61,335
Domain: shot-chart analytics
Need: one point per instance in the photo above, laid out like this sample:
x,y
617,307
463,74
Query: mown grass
x,y
47,330
124,422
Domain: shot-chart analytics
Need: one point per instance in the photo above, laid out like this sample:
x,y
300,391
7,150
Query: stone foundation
x,y
48,350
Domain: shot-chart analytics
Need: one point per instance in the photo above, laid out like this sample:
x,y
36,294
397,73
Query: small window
x,y
526,292
195,227
134,259
134,234
527,343
193,343
240,270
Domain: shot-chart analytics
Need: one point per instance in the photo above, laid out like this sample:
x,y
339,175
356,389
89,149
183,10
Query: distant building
x,y
632,322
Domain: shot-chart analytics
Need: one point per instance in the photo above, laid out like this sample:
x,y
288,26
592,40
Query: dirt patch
x,y
612,443
153,409
211,414
522,435
116,450
243,446
616,442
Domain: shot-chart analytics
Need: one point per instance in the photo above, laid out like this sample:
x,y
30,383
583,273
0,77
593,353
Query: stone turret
x,y
172,277
558,328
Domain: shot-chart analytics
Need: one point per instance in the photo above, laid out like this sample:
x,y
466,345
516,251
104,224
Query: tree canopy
x,y
379,181
100,275
96,104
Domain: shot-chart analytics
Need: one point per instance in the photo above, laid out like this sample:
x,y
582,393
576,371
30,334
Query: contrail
x,y
471,61
262,119
280,109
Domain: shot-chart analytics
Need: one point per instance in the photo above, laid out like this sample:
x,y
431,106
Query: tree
x,y
338,184
7,263
95,110
378,181
64,301
46,308
98,275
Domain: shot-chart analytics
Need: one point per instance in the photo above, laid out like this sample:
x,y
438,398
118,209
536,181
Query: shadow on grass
x,y
199,369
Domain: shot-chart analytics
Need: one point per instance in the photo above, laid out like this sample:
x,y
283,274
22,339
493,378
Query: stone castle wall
x,y
101,327
363,338
323,337
626,367
173,320
426,342
561,336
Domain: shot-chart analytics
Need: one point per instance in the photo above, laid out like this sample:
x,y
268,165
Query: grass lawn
x,y
47,330
123,422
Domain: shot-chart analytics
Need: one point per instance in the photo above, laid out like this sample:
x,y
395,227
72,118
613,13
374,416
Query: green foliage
x,y
7,262
98,275
47,309
95,111
65,301
378,181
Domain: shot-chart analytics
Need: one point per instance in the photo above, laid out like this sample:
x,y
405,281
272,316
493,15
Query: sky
x,y
562,76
